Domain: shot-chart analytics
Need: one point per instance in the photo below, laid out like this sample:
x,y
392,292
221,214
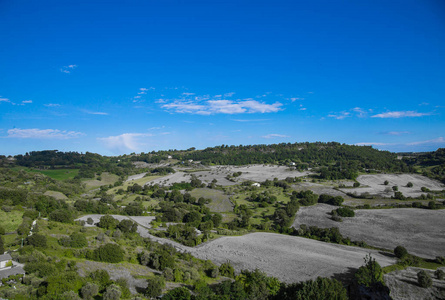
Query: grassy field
x,y
106,179
10,220
59,174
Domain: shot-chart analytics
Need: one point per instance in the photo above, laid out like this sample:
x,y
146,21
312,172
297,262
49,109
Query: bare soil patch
x,y
56,195
288,258
403,285
257,173
373,184
420,231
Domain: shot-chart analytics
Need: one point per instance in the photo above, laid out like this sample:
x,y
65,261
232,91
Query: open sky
x,y
116,77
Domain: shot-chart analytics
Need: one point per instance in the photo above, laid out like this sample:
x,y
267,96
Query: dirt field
x,y
403,285
288,258
373,184
420,231
257,173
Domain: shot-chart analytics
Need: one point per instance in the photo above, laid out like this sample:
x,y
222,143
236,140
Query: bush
x,y
439,274
321,288
78,240
424,279
227,270
409,184
400,252
89,290
345,212
61,215
179,293
36,240
154,287
369,274
109,253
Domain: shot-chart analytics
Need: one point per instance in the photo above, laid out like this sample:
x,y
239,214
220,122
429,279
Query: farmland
x,y
412,228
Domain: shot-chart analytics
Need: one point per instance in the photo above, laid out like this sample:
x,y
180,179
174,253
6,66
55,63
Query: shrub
x,y
61,215
107,222
369,274
78,240
320,288
90,221
439,274
89,290
424,279
179,293
345,212
409,184
356,184
109,253
36,240
400,252
154,287
226,269
113,292
386,182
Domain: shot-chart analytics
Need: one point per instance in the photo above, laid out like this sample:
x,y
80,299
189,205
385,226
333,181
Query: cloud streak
x,y
400,114
68,69
274,135
125,142
211,107
35,133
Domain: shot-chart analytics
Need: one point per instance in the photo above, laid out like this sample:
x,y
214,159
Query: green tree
x,y
37,240
179,293
226,269
439,274
2,245
424,279
400,252
107,222
369,274
61,215
113,292
109,253
89,290
321,288
154,287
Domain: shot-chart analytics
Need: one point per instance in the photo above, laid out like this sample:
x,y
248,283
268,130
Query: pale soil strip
x,y
420,231
288,258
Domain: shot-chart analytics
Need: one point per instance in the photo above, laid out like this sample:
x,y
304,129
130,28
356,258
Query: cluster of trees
x,y
340,160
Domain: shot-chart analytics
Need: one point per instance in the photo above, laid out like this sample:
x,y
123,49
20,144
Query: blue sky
x,y
116,77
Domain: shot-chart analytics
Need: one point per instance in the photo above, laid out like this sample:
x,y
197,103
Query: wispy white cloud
x,y
35,133
95,113
125,142
250,120
26,101
52,105
4,100
400,114
275,135
188,94
295,99
68,69
222,107
395,132
439,140
228,95
340,116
